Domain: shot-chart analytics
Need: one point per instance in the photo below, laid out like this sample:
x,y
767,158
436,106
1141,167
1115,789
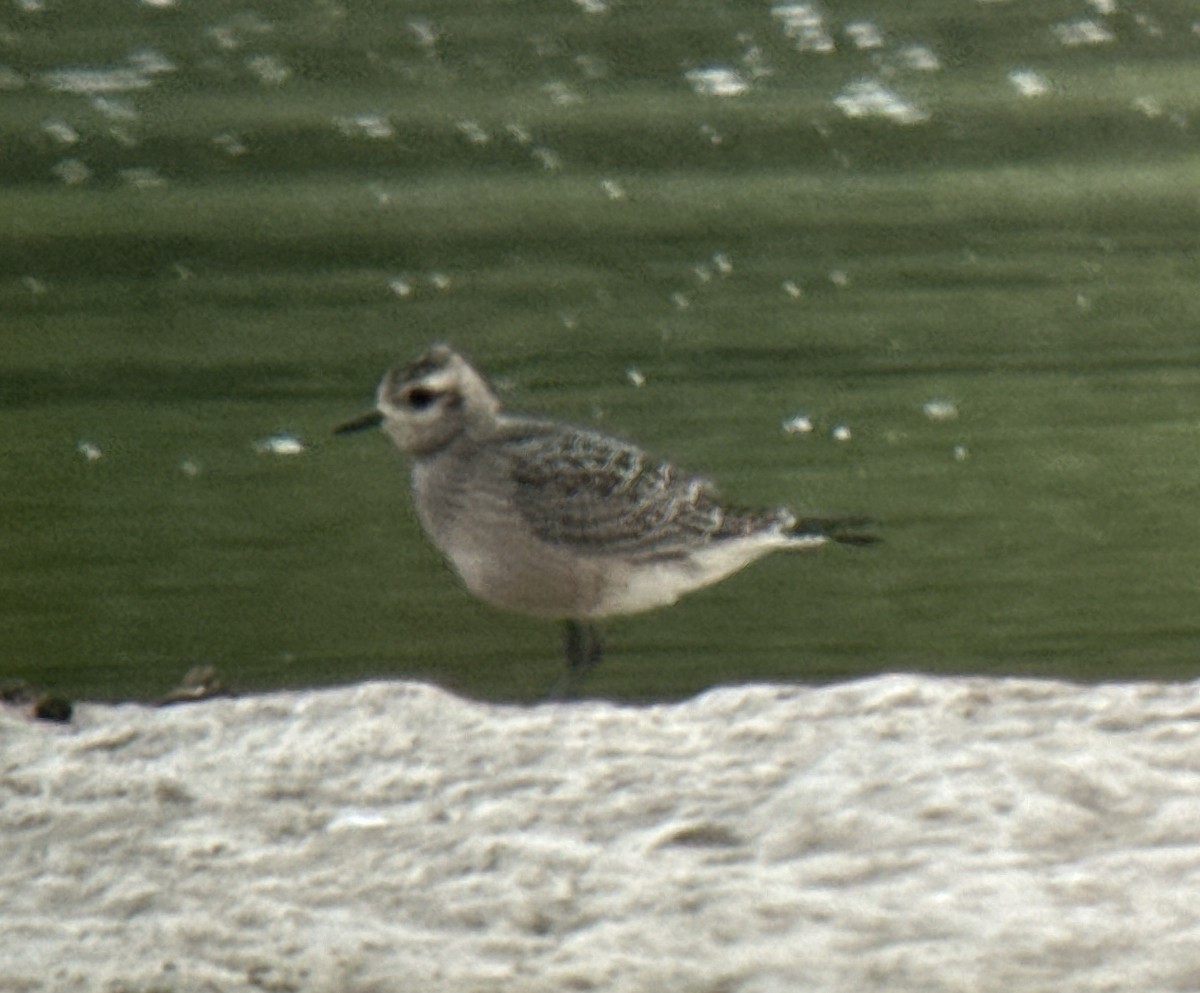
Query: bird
x,y
562,522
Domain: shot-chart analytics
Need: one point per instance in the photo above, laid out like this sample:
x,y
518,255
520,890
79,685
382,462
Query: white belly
x,y
635,587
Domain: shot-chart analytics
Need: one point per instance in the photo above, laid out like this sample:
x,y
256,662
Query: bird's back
x,y
604,496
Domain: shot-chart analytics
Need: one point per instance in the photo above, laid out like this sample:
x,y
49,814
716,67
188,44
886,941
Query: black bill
x,y
369,420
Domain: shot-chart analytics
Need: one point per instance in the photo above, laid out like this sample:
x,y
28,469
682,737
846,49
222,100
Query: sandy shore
x,y
900,833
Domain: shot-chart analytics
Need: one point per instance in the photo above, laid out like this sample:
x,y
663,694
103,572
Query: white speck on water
x,y
1029,83
870,98
547,158
710,134
426,35
804,25
367,125
473,131
34,285
940,409
1083,31
1148,107
798,424
1083,302
115,79
612,189
270,70
123,136
865,35
72,172
143,178
840,278
1150,27
518,133
230,143
717,81
754,62
151,62
189,467
635,376
793,289
594,7
60,131
375,126
592,67
919,58
841,432
439,281
562,94
401,286
960,453
723,263
90,451
223,37
1105,8
115,108
280,444
681,300
703,273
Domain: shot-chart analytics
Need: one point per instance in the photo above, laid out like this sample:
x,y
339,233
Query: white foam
x,y
717,81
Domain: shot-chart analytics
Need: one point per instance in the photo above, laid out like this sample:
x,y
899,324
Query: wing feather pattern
x,y
596,493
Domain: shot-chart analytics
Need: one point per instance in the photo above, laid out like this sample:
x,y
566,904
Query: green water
x,y
315,191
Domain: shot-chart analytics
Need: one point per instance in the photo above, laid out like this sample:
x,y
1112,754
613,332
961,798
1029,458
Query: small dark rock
x,y
49,707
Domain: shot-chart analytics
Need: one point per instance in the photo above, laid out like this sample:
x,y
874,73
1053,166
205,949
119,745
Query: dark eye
x,y
420,399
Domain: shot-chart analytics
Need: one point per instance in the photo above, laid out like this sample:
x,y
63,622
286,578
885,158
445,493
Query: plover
x,y
564,522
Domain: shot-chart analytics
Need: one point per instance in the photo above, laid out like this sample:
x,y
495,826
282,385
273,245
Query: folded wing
x,y
596,493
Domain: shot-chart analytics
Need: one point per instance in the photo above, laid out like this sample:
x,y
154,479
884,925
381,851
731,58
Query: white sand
x,y
896,834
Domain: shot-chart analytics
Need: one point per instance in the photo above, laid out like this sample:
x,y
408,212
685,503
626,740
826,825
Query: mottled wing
x,y
600,494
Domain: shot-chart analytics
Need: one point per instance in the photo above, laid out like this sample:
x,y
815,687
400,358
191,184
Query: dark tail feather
x,y
844,530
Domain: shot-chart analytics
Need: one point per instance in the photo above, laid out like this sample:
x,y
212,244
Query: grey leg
x,y
583,651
